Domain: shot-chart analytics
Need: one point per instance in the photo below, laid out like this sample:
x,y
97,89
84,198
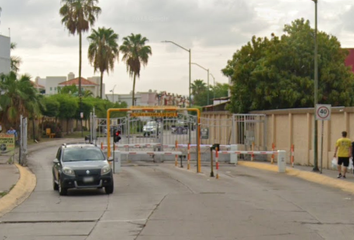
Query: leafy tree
x,y
78,16
220,90
18,97
50,106
68,106
135,53
103,51
278,72
72,90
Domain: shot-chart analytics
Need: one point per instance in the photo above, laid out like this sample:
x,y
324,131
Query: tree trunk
x,y
133,95
101,84
80,61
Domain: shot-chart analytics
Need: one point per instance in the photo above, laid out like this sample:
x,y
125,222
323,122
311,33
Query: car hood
x,y
86,164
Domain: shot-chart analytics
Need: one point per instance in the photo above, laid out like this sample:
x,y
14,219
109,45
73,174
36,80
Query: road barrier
x,y
280,153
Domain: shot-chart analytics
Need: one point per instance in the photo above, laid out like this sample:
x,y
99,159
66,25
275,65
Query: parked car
x,y
180,127
81,166
150,128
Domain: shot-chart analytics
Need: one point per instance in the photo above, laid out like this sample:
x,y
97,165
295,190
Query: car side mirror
x,y
56,161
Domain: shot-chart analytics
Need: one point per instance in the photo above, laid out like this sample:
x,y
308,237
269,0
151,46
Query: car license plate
x,y
88,179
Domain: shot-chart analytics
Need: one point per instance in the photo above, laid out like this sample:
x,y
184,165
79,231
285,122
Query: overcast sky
x,y
213,29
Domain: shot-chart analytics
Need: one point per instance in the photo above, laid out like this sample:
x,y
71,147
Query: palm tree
x,y
19,97
135,53
103,51
78,16
15,61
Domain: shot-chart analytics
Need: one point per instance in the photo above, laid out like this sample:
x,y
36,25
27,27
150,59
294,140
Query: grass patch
x,y
2,194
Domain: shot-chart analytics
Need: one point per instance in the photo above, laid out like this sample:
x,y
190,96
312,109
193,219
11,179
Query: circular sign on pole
x,y
323,112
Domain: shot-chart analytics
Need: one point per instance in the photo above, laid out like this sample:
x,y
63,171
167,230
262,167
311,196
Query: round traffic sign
x,y
323,112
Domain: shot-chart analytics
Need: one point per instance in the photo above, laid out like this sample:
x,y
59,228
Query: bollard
x,y
252,155
181,156
292,155
117,162
101,145
176,157
272,159
233,156
189,156
211,162
281,161
217,162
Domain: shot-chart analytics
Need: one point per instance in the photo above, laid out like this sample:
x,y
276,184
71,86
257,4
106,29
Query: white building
x,y
52,84
5,59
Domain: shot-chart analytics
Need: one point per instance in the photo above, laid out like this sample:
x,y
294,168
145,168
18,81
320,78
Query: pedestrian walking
x,y
344,149
12,131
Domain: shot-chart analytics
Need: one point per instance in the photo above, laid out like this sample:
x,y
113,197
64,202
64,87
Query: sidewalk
x,y
17,182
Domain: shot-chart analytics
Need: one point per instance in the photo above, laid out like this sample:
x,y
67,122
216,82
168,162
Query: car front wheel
x,y
55,186
109,189
62,191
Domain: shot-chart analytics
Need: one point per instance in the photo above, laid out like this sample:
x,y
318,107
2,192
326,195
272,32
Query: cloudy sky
x,y
213,29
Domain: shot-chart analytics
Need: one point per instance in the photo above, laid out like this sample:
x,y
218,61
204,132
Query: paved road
x,y
158,201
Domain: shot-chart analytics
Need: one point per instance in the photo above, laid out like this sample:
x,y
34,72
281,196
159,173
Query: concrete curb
x,y
308,176
22,190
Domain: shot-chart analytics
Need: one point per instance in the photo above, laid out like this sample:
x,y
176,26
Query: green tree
x,y
199,92
68,106
78,16
103,51
278,72
50,106
18,97
220,90
135,53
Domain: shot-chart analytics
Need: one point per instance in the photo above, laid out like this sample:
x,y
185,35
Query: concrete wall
x,y
293,126
5,59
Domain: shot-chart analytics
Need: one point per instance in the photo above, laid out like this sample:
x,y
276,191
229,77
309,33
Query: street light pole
x,y
113,93
315,144
207,78
214,87
190,68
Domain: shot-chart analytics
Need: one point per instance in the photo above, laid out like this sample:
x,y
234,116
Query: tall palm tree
x,y
135,54
103,51
78,16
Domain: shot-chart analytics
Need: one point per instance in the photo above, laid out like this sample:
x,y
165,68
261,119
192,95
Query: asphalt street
x,y
161,201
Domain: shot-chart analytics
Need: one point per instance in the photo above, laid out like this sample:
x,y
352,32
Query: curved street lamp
x,y
190,58
208,80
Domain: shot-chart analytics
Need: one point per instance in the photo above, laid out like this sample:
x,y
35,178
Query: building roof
x,y
36,85
75,81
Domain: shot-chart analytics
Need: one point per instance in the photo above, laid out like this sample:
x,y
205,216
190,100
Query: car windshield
x,y
151,124
82,154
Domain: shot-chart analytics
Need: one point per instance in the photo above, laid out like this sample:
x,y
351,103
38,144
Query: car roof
x,y
81,145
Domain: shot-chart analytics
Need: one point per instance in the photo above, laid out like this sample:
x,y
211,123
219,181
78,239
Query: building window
x,y
55,88
51,88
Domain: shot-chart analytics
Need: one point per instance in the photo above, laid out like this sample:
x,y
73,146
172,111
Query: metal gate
x,y
249,132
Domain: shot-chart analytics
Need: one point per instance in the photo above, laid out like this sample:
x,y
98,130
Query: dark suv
x,y
81,165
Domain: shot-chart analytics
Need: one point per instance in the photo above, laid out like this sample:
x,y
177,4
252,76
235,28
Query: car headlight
x,y
68,171
105,170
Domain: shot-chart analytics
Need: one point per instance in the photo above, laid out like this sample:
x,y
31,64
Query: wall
x,y
51,84
291,126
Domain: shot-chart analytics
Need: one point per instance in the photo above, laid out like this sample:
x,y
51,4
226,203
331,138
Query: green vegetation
x,y
103,51
277,73
135,54
200,92
78,16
